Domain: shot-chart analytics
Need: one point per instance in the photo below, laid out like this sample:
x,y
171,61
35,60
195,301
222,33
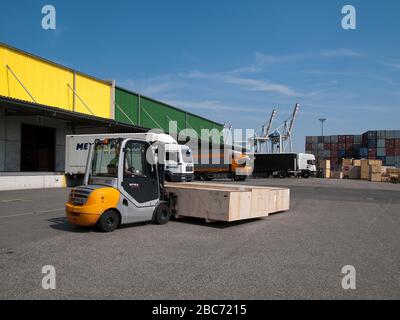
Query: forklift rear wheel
x,y
162,214
108,221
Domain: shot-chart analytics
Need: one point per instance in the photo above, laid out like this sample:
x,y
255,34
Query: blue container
x,y
363,152
342,153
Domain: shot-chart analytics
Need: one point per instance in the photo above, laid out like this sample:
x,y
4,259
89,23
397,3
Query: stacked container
x,y
381,145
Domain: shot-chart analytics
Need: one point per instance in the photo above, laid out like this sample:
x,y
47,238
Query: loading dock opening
x,y
37,148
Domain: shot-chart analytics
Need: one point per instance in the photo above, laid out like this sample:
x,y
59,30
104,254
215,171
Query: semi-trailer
x,y
284,165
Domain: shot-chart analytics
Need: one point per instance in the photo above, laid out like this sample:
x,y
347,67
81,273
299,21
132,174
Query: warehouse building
x,y
375,145
41,102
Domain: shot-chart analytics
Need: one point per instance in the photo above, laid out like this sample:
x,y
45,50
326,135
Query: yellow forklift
x,y
124,183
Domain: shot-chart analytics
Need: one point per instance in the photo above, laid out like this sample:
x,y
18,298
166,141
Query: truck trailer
x,y
178,158
284,165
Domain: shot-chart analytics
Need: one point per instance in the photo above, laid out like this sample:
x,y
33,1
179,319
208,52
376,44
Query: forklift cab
x,y
122,181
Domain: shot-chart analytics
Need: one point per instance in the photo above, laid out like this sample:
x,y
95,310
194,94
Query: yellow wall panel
x,y
96,95
48,84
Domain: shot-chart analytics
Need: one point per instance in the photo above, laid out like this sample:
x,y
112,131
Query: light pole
x,y
322,120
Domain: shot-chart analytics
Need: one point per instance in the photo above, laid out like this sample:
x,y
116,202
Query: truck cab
x,y
178,163
307,164
123,184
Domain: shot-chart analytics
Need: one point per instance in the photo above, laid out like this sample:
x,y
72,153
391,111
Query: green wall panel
x,y
198,123
157,115
128,102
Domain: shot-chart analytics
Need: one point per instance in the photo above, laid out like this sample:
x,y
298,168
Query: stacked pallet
x,y
371,170
391,174
222,202
325,166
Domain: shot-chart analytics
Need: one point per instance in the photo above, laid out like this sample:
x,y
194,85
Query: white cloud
x,y
262,58
259,85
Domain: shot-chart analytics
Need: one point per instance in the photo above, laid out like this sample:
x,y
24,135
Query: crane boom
x,y
271,119
296,109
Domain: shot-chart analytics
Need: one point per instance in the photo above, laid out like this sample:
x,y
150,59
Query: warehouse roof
x,y
13,107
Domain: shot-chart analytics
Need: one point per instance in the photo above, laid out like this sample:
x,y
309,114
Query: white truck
x,y
178,158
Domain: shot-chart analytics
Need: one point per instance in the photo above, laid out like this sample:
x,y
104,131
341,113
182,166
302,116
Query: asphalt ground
x,y
297,254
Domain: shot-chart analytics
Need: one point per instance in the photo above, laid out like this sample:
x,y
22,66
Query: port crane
x,y
279,141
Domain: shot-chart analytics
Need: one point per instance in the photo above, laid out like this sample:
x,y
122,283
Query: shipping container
x,y
380,152
342,146
349,139
390,152
342,153
381,143
390,134
397,134
371,152
320,139
327,139
342,139
372,144
390,160
365,139
363,152
372,135
326,154
381,134
334,146
309,139
397,143
327,146
358,139
390,143
334,139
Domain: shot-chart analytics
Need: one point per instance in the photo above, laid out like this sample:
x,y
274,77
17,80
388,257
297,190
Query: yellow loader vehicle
x,y
123,184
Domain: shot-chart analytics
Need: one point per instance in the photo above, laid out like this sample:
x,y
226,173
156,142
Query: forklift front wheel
x,y
108,221
162,214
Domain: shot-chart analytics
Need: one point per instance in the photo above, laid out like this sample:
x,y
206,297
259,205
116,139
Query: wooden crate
x,y
365,167
223,202
375,169
336,175
375,177
347,162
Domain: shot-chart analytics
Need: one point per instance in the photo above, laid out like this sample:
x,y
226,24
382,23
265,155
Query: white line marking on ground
x,y
15,200
32,213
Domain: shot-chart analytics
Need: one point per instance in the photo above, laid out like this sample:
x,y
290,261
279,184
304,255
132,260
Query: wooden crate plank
x,y
225,202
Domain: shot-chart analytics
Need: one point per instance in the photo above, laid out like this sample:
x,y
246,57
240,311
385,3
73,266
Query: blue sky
x,y
232,61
